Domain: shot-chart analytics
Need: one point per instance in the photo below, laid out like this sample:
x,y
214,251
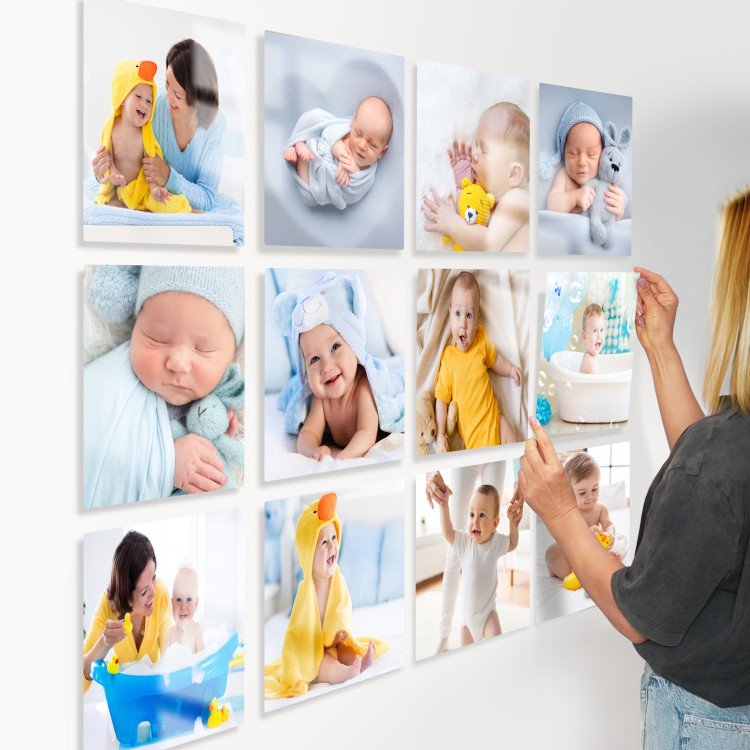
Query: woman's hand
x,y
155,170
113,632
655,312
436,490
542,481
101,163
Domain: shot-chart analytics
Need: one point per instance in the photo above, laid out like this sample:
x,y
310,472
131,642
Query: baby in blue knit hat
x,y
189,321
580,137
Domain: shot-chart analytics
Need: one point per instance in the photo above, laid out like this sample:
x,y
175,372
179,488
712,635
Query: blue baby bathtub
x,y
170,703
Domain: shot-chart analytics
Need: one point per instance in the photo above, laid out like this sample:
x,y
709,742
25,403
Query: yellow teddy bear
x,y
474,206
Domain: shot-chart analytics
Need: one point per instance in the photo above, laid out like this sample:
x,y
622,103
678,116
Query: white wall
x,y
687,72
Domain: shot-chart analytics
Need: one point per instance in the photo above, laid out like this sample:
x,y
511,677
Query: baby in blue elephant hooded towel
x,y
338,389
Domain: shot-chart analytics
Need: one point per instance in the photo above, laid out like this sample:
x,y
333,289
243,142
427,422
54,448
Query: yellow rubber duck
x,y
113,667
127,624
571,582
215,718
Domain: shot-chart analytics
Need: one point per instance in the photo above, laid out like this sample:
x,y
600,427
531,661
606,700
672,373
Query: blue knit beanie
x,y
575,113
117,293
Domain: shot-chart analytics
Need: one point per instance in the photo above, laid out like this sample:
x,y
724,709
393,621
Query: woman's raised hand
x,y
655,312
436,490
113,632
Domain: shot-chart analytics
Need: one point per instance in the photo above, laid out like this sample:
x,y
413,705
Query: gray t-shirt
x,y
688,589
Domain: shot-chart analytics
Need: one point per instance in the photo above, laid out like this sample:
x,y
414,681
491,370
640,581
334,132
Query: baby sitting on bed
x,y
463,378
580,136
184,603
341,399
318,644
335,159
128,137
499,162
189,320
479,548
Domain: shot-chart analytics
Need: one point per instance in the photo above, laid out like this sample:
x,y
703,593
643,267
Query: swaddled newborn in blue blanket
x,y
335,159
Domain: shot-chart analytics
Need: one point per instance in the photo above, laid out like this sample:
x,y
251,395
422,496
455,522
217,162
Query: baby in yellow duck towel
x,y
318,645
128,137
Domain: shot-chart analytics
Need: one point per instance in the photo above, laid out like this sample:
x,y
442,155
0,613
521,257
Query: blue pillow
x,y
278,367
359,560
392,561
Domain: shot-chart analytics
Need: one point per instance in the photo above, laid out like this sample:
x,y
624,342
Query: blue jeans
x,y
674,719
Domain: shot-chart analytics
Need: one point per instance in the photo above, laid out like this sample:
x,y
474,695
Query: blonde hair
x,y
490,491
591,310
511,124
730,309
579,466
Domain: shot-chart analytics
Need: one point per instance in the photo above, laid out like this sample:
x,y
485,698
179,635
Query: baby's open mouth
x,y
183,617
141,113
330,560
462,339
332,380
476,532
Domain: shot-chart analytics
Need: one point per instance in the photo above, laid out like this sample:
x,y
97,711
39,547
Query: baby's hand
x,y
197,466
585,197
160,194
460,159
515,374
597,529
438,213
441,444
342,176
614,201
117,179
320,451
346,160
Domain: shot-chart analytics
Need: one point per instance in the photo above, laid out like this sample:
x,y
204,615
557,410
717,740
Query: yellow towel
x,y
305,639
136,194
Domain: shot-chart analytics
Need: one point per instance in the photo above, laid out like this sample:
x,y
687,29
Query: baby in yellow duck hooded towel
x,y
128,136
319,648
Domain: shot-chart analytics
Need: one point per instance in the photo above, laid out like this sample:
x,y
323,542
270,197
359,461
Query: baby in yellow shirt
x,y
463,378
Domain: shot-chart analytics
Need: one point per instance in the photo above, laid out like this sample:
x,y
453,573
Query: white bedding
x,y
282,460
384,621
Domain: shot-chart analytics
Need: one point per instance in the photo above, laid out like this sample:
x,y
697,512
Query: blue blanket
x,y
320,130
128,450
226,212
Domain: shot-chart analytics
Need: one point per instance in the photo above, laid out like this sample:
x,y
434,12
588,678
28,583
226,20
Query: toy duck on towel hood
x,y
306,638
136,194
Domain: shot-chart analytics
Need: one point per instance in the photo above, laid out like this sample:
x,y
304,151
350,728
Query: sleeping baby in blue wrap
x,y
335,158
341,399
189,320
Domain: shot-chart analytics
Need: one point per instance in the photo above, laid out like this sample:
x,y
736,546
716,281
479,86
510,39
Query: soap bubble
x,y
542,379
551,389
576,292
568,388
547,320
574,341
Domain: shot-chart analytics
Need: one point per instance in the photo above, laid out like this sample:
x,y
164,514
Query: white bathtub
x,y
604,397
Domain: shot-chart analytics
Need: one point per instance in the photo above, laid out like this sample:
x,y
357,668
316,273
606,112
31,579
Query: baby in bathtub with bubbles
x,y
335,159
592,334
341,400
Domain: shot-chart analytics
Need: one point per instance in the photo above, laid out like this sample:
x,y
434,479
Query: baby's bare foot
x,y
303,151
369,656
354,668
290,154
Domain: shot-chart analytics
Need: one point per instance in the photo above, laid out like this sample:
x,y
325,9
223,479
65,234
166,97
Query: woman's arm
x,y
654,324
103,633
546,488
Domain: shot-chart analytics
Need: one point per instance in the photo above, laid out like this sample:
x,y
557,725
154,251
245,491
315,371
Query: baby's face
x,y
136,109
330,363
593,334
482,518
492,158
464,316
184,598
583,148
587,491
181,346
369,134
326,552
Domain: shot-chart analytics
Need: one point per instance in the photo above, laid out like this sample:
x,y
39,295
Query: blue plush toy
x,y
336,300
209,418
610,173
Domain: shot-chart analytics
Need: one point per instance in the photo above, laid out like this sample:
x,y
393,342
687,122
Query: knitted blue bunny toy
x,y
209,418
610,173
